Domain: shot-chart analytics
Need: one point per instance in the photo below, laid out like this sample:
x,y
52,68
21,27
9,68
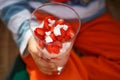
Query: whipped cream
x,y
48,33
57,31
48,39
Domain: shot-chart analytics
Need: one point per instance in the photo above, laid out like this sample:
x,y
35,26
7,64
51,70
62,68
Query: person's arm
x,y
15,15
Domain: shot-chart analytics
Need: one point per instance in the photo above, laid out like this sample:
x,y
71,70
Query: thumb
x,y
33,47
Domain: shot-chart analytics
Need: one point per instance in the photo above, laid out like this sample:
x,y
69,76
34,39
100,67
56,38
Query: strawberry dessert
x,y
54,38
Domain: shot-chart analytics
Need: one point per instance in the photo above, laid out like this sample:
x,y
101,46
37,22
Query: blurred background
x,y
9,50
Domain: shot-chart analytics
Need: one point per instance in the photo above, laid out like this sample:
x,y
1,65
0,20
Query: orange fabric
x,y
74,70
99,42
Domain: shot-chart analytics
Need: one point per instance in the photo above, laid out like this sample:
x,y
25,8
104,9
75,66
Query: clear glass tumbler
x,y
55,27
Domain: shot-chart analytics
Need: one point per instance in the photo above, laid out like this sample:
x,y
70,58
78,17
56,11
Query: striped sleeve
x,y
15,15
86,9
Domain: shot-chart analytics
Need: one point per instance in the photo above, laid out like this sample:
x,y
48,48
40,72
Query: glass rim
x,y
61,4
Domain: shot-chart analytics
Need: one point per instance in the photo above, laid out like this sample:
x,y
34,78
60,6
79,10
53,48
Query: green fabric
x,y
18,71
22,75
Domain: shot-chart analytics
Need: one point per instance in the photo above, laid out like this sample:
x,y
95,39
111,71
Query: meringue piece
x,y
48,33
51,22
65,27
48,39
57,31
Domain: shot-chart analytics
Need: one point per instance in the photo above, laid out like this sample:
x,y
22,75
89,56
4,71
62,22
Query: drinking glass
x,y
62,13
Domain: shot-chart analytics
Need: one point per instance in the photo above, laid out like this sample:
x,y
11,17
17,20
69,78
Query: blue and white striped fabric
x,y
16,13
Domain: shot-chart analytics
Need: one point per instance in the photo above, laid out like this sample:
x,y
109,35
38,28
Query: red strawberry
x,y
51,48
46,25
52,28
58,43
66,38
59,38
63,32
68,24
39,32
70,33
53,36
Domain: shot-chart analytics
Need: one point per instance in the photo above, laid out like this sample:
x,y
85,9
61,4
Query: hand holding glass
x,y
55,27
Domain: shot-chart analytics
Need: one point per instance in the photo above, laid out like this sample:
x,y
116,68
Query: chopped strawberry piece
x,y
66,35
66,38
39,32
53,36
70,33
46,25
59,38
63,32
58,43
62,36
54,47
52,28
68,24
38,36
51,48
